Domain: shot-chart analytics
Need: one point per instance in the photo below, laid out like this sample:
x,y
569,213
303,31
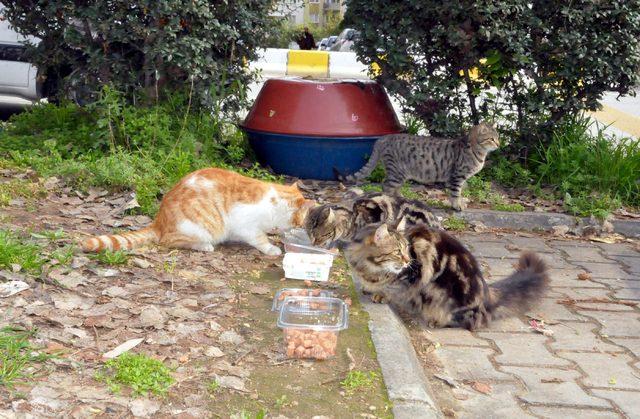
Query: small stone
x,y
189,302
214,326
114,291
607,227
229,381
560,230
230,336
590,231
152,316
144,407
372,408
141,263
214,352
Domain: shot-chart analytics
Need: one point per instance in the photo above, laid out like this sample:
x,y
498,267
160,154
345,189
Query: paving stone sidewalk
x,y
589,368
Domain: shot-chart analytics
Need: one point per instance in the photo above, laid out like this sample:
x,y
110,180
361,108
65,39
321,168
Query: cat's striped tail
x,y
366,169
517,293
124,241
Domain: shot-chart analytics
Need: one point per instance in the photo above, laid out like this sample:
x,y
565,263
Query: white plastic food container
x,y
304,261
311,325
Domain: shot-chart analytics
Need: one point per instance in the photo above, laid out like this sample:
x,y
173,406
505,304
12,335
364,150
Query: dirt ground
x,y
205,315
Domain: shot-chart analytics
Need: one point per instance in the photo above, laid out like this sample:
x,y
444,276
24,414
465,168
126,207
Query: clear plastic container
x,y
298,292
297,241
311,325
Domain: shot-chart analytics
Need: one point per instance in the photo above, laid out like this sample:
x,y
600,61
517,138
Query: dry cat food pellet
x,y
306,343
302,293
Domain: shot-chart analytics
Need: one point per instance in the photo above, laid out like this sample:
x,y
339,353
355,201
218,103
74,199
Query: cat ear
x,y
402,225
331,216
382,233
297,185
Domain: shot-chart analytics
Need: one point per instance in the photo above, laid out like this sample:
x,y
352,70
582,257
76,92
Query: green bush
x,y
536,62
580,163
142,45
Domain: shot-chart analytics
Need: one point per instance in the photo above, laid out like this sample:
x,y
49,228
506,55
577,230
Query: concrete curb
x,y
403,375
536,221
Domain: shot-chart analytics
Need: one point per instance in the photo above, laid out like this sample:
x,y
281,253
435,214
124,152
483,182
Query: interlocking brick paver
x,y
534,244
456,337
632,344
549,309
569,278
501,403
470,364
627,401
583,293
510,324
616,324
523,349
618,249
612,306
605,270
575,336
565,412
628,294
491,250
631,263
582,254
605,370
554,386
617,284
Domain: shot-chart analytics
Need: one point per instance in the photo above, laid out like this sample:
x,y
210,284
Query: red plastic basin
x,y
323,108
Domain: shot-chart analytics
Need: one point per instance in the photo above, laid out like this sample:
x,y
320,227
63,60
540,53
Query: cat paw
x,y
378,299
203,247
272,251
458,204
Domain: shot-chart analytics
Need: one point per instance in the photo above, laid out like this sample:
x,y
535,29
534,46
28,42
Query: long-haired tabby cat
x,y
430,160
337,223
211,206
429,272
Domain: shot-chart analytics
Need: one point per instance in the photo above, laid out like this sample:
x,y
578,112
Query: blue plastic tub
x,y
310,157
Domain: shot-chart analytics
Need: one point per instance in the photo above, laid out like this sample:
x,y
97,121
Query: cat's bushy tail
x,y
517,293
124,241
365,170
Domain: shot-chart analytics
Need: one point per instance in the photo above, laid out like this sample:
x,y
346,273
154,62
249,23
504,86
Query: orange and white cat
x,y
212,206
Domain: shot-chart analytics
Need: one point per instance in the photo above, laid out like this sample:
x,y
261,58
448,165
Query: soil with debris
x,y
205,315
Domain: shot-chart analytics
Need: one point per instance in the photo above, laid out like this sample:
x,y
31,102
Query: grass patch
x,y
244,414
63,255
454,223
17,356
118,146
14,251
51,235
436,203
356,380
111,257
378,175
141,373
369,187
19,188
409,193
580,163
503,206
213,387
597,205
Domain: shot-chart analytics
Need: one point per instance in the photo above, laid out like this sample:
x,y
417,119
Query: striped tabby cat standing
x,y
430,160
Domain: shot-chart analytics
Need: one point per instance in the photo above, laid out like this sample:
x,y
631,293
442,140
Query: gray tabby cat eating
x,y
337,223
430,160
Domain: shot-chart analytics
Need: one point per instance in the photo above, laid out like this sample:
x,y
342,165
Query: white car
x,y
18,78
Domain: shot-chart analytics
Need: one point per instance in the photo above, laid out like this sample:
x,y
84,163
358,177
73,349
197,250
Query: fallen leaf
x,y
613,381
10,288
584,276
120,349
260,289
540,327
481,387
141,263
552,380
449,381
607,240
